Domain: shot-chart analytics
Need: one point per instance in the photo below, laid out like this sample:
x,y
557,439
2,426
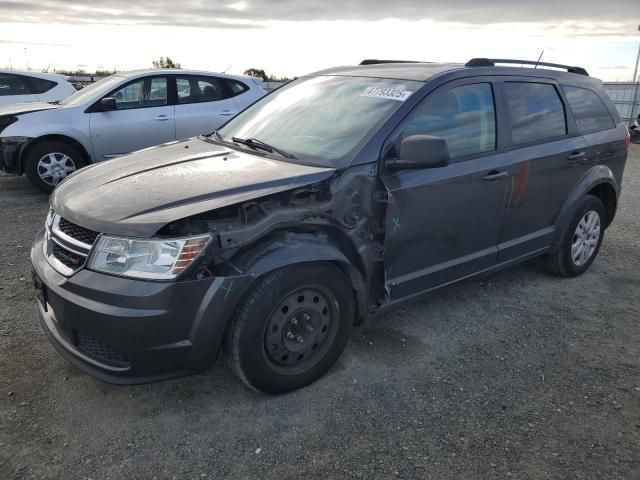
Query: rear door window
x,y
12,85
588,109
536,111
464,116
194,89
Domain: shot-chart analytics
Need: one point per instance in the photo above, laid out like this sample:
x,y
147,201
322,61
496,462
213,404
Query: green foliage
x,y
165,62
260,73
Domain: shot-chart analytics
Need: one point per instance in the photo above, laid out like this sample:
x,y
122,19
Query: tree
x,y
256,72
165,63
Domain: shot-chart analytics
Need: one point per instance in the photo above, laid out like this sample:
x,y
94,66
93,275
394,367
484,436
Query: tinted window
x,y
40,85
536,111
199,89
464,116
588,109
12,85
236,87
146,92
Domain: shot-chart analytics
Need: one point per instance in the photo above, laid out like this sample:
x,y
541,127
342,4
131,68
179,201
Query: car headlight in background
x,y
158,259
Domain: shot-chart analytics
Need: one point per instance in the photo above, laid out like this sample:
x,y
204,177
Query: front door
x,y
444,223
143,118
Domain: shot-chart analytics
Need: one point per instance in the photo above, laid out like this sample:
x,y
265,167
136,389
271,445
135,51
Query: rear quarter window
x,y
236,87
588,109
536,112
39,85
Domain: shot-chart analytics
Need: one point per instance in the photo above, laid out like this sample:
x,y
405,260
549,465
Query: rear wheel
x,y
292,327
50,162
582,239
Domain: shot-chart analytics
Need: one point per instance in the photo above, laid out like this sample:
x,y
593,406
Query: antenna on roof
x,y
539,58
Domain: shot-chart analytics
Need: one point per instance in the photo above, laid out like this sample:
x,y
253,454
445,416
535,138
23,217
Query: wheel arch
x,y
284,248
607,194
598,181
52,138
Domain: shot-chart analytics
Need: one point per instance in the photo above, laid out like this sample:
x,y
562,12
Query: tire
x,y
66,157
263,344
562,262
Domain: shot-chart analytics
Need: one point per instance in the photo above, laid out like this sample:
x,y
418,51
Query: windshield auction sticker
x,y
387,93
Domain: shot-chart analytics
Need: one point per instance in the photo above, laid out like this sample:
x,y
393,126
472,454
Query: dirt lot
x,y
517,375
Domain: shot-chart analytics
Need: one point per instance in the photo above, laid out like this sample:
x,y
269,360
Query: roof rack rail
x,y
491,62
373,61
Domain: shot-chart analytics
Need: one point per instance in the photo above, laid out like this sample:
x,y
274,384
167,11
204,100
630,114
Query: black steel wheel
x,y
292,327
300,329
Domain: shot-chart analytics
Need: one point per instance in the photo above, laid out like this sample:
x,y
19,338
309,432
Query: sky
x,y
291,38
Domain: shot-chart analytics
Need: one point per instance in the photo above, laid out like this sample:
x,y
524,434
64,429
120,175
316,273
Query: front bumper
x,y
129,331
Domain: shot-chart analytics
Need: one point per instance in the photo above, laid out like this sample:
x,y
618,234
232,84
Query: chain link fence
x,y
626,98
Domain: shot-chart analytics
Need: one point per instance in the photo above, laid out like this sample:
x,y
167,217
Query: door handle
x,y
227,113
576,155
162,118
494,175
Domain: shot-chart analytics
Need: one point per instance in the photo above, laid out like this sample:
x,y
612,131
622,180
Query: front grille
x,y
77,232
99,351
67,258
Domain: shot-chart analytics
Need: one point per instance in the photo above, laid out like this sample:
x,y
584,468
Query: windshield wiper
x,y
260,145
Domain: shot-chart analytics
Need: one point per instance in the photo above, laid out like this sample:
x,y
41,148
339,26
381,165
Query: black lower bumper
x,y
127,331
9,157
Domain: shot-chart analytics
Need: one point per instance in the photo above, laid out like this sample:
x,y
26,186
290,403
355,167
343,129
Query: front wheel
x,y
582,239
291,328
50,162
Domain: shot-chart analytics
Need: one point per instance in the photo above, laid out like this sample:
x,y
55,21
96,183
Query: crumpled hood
x,y
20,108
138,194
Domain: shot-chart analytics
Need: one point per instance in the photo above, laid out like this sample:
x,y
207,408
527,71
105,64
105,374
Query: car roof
x,y
424,71
178,71
31,73
398,71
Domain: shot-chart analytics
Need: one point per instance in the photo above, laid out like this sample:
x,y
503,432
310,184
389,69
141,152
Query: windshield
x,y
320,120
92,91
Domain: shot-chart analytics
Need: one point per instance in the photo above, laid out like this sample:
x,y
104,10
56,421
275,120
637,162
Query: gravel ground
x,y
516,375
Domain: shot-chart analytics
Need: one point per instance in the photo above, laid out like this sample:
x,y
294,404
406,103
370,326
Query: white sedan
x,y
21,87
116,116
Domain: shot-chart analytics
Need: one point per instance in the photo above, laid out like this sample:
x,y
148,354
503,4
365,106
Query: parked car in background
x,y
634,129
116,116
338,195
22,87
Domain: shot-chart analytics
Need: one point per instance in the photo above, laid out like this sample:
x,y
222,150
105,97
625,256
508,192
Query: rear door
x,y
203,104
15,89
595,123
443,223
547,156
143,118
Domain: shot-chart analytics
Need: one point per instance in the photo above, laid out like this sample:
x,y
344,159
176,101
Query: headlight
x,y
151,259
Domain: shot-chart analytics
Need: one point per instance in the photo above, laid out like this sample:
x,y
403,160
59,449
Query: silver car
x,y
116,116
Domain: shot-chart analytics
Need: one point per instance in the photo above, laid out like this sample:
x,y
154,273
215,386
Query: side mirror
x,y
107,104
421,151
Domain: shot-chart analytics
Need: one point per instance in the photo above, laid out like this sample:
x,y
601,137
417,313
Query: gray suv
x,y
325,202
